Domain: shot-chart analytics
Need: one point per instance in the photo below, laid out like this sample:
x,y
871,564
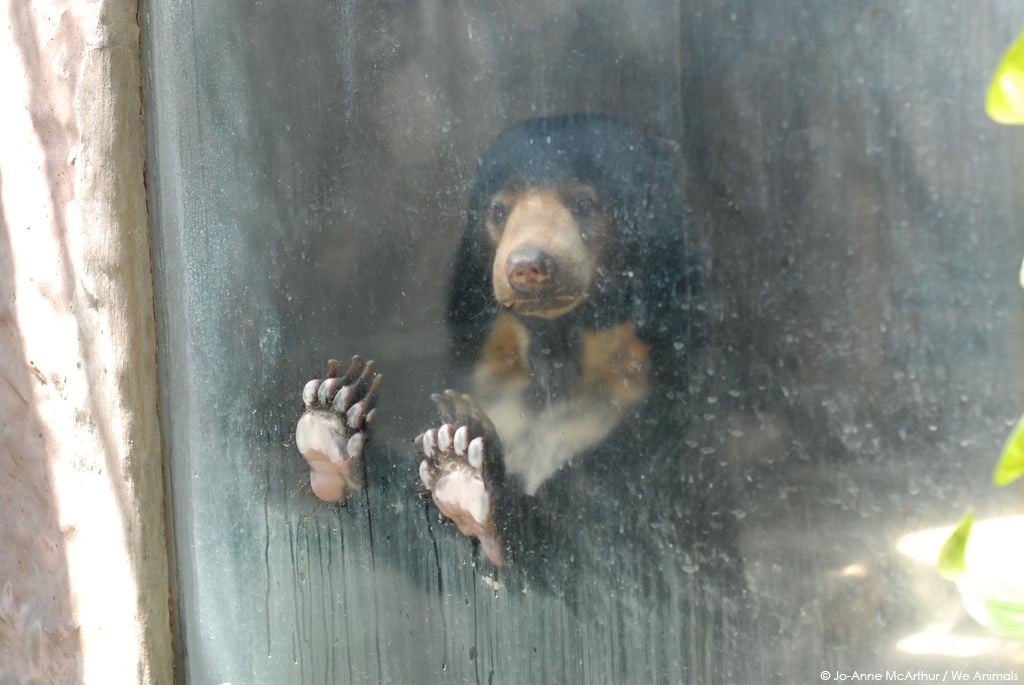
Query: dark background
x,y
309,165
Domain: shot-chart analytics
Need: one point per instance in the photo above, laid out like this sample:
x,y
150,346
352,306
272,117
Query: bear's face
x,y
548,242
578,220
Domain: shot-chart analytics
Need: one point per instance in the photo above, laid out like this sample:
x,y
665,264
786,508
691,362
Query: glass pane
x,y
783,356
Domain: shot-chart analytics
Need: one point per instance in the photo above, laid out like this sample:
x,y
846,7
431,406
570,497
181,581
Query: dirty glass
x,y
843,352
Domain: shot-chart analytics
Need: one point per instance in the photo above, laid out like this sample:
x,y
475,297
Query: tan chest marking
x,y
502,364
615,365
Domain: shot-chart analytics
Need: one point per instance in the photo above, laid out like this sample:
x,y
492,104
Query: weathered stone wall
x,y
83,563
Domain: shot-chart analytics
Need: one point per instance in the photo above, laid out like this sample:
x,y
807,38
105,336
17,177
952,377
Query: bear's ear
x,y
471,303
670,299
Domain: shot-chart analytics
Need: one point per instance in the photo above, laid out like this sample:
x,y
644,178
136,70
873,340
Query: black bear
x,y
578,321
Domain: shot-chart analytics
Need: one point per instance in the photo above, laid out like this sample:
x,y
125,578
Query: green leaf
x,y
1005,100
1007,617
1011,461
953,555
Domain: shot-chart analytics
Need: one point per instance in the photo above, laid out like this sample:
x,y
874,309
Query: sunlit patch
x,y
991,589
994,543
857,570
941,640
923,546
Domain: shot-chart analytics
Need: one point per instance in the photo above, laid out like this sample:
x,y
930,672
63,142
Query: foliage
x,y
953,555
1005,100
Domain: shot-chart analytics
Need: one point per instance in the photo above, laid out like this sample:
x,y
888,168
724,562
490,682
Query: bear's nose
x,y
529,269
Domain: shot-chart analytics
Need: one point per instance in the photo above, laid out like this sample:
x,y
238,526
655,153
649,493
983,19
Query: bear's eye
x,y
583,206
498,212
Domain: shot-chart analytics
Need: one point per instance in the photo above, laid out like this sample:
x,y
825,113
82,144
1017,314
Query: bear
x,y
579,324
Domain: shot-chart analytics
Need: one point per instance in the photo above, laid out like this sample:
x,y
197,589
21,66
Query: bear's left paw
x,y
461,469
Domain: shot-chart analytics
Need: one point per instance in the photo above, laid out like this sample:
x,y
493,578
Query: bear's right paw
x,y
332,434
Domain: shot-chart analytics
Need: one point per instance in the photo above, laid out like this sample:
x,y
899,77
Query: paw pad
x,y
331,435
457,471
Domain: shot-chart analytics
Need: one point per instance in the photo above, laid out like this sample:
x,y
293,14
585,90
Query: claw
x,y
371,394
355,445
444,438
332,368
461,438
479,415
343,400
355,416
364,378
476,453
426,474
459,405
327,390
309,392
354,369
444,406
471,407
429,444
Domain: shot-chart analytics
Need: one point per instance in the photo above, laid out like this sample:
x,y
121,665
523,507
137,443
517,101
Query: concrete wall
x,y
83,563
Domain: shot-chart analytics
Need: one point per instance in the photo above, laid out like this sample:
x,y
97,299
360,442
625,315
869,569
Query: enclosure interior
x,y
309,164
